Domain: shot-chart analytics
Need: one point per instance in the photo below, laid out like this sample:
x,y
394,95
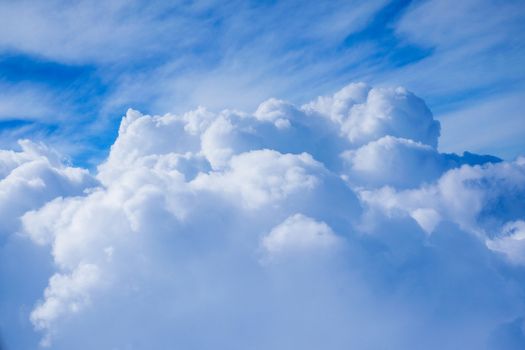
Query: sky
x,y
262,174
70,70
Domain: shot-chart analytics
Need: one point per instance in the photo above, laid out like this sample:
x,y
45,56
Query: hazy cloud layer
x,y
334,225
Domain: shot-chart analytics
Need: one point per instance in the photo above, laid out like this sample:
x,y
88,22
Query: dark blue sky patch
x,y
13,124
390,50
380,28
17,67
404,55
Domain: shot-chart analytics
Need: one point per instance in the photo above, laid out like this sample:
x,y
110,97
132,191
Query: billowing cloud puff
x,y
394,161
263,176
402,163
31,177
65,294
299,233
365,114
479,198
336,224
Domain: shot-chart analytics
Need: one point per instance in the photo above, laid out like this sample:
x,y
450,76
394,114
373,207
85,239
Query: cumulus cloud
x,y
402,163
334,224
365,114
263,176
31,177
65,294
394,161
299,233
479,198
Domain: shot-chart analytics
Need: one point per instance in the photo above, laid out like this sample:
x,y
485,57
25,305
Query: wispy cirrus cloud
x,y
177,55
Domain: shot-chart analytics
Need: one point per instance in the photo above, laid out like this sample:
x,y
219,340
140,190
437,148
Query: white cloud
x,y
469,70
479,198
31,177
171,238
299,233
394,161
65,294
429,22
366,114
277,112
64,31
263,177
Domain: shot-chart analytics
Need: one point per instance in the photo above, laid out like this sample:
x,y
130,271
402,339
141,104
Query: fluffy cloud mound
x,y
31,177
335,225
66,293
299,233
481,199
365,114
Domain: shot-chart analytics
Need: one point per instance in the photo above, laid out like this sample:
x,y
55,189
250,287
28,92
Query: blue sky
x,y
262,174
69,70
